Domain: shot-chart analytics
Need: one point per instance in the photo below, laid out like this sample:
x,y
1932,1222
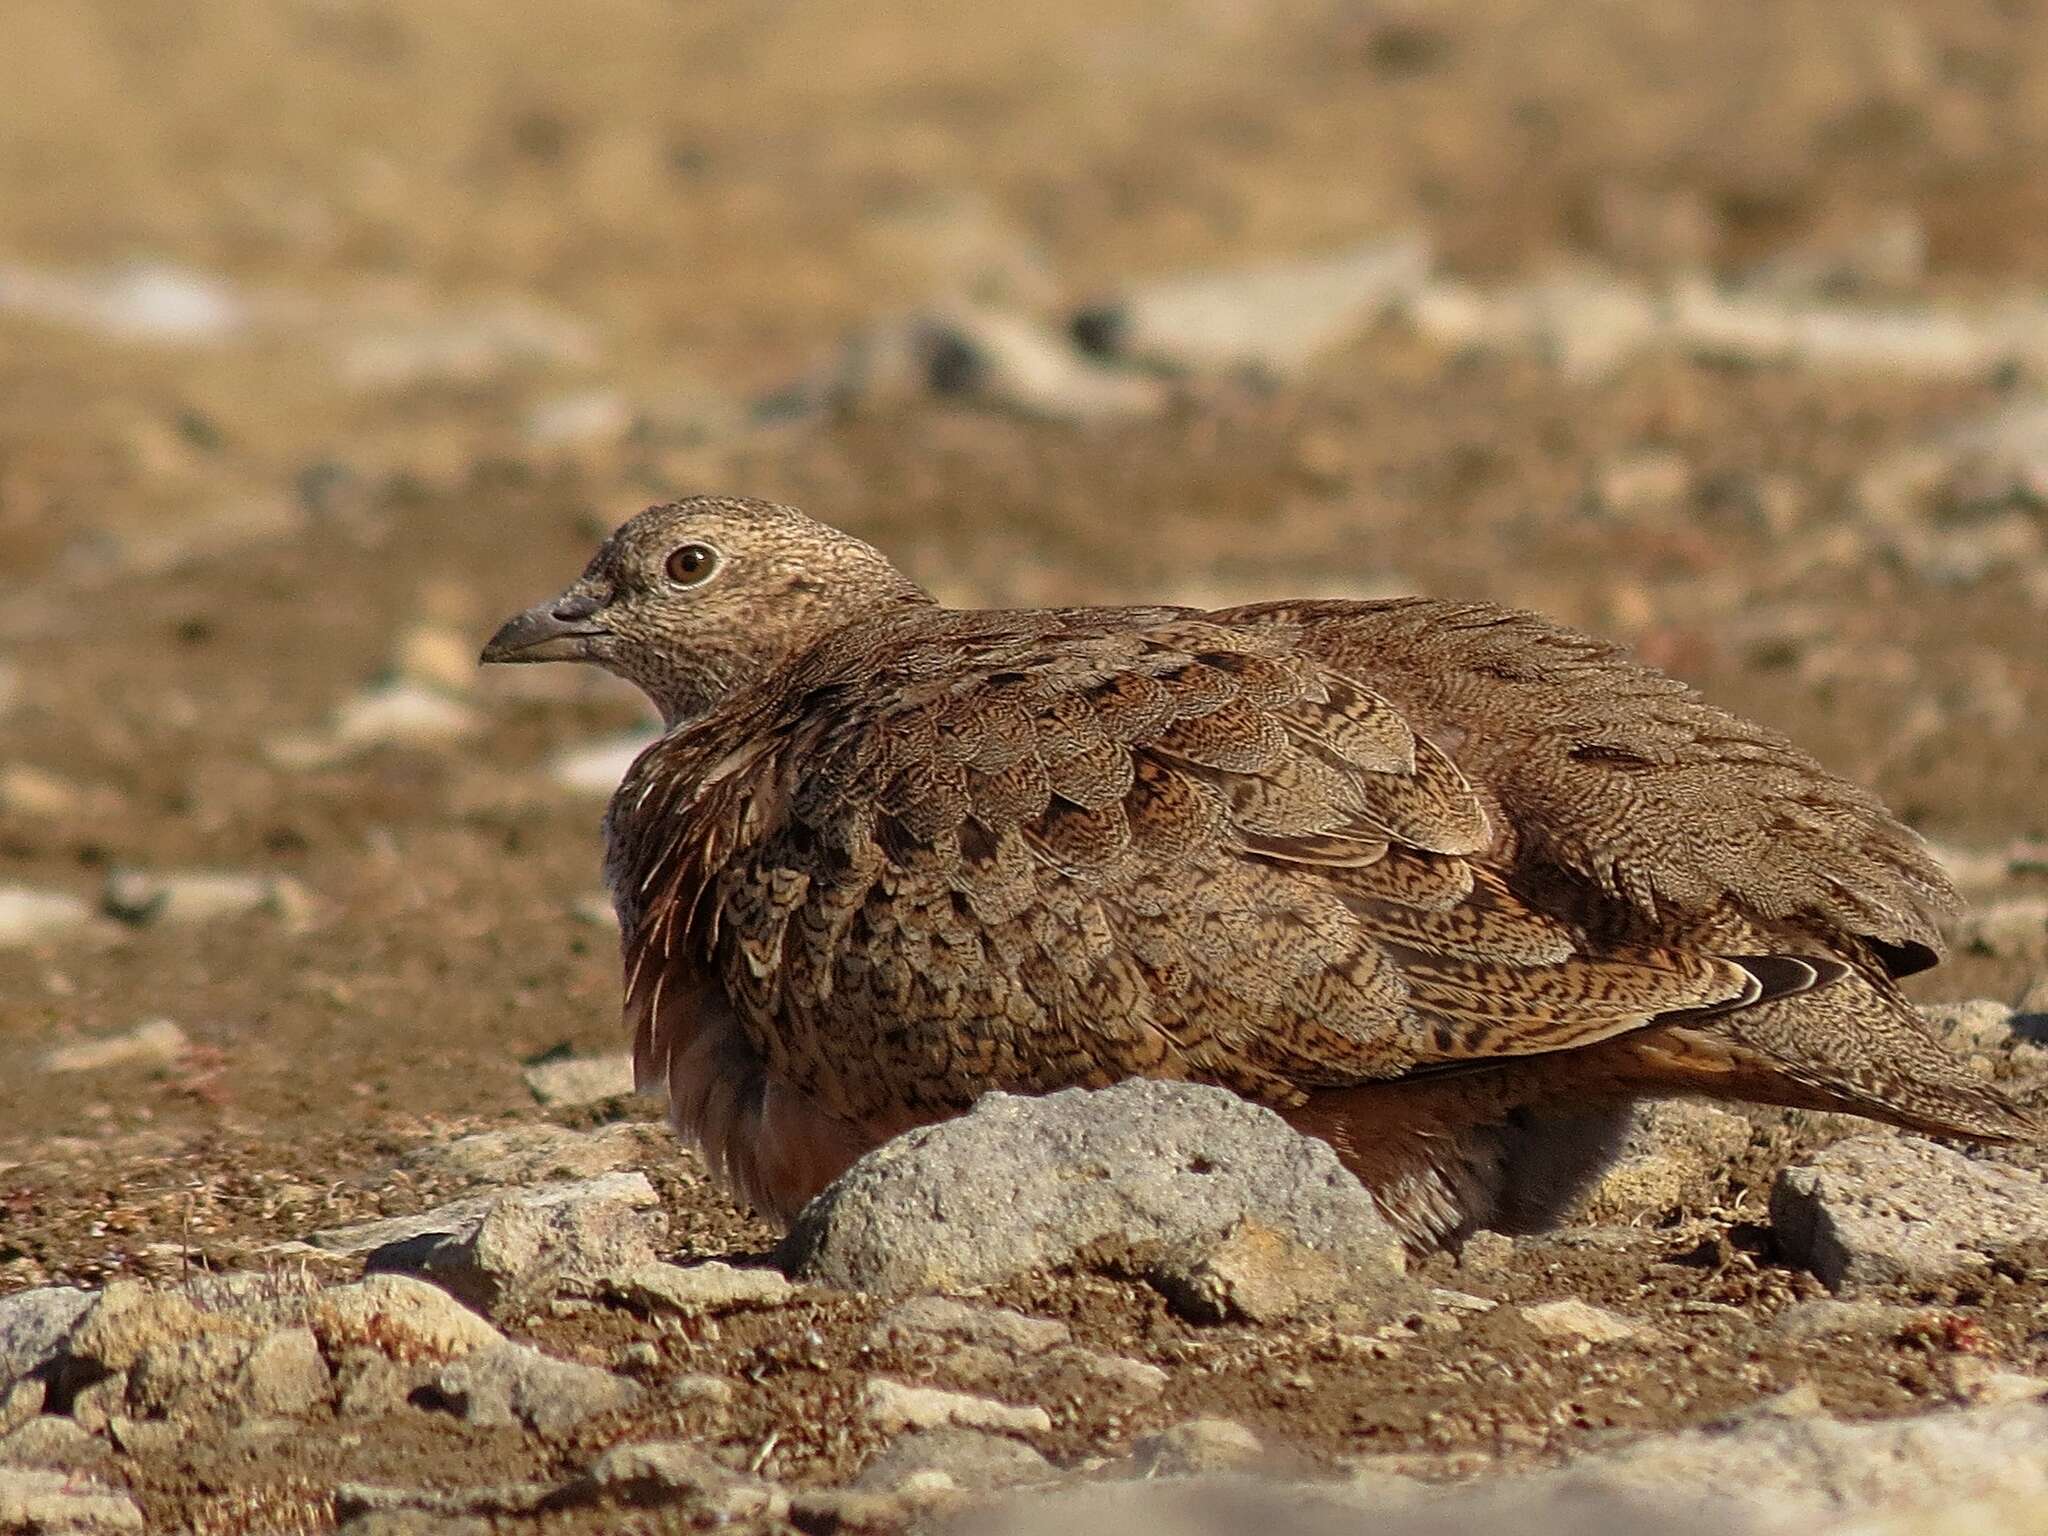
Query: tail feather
x,y
1859,1046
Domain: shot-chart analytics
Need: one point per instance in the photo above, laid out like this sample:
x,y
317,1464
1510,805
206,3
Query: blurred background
x,y
331,331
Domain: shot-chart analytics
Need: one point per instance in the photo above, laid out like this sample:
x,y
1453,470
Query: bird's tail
x,y
1852,1045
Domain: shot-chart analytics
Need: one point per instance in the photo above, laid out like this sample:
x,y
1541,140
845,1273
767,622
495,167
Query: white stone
x,y
157,1043
891,1405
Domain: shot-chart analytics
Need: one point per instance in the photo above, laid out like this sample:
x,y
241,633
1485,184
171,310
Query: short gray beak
x,y
565,629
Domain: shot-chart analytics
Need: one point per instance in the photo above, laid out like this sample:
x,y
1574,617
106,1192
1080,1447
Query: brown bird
x,y
1445,884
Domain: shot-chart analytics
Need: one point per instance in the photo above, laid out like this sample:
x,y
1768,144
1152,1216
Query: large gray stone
x,y
1799,1470
1249,1274
1879,1210
568,1239
44,1501
33,1326
581,1079
515,1384
129,1319
1271,319
31,916
400,1318
894,1405
657,1473
692,1289
1023,1184
971,1458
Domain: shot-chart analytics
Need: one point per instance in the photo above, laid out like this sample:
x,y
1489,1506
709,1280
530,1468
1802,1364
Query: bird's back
x,y
1292,849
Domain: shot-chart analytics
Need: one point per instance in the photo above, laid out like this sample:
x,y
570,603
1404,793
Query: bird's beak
x,y
566,629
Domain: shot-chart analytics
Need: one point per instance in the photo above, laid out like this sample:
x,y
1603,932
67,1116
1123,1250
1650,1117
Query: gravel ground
x,y
331,333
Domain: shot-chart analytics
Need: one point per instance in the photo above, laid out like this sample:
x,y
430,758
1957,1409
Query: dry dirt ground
x,y
617,224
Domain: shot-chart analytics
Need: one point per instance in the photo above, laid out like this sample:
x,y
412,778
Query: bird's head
x,y
694,599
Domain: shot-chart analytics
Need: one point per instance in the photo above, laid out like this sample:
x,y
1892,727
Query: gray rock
x,y
1486,1253
54,1503
1113,1379
21,1402
1765,328
398,713
699,1288
894,1406
128,1319
51,1441
559,1240
1796,1471
929,1320
1580,1322
33,1326
153,301
401,1319
673,1472
515,1384
31,916
190,1375
157,1043
1882,1209
1008,361
1585,323
1459,1302
1249,1274
29,791
285,1375
401,713
265,1299
1198,1445
581,1079
2002,457
1980,1027
95,1406
403,1241
227,1366
2016,928
597,767
990,357
698,1387
368,1386
1977,1381
1672,1150
183,897
971,1459
1272,319
1022,1184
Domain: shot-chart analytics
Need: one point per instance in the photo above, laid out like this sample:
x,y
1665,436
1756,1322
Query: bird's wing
x,y
1177,849
1626,782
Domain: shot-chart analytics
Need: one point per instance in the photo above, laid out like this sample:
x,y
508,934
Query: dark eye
x,y
691,565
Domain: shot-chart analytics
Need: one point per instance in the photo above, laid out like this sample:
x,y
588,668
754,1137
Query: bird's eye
x,y
691,565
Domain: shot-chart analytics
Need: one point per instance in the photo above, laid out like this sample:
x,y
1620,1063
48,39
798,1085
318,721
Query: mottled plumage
x,y
1446,884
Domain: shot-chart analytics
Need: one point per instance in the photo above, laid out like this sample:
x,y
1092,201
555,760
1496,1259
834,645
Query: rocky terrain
x,y
331,332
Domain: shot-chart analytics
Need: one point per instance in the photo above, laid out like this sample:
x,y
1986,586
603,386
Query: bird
x,y
1446,884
